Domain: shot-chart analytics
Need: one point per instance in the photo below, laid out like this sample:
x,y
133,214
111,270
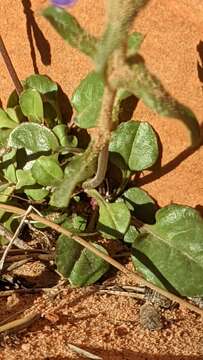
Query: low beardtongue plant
x,y
68,167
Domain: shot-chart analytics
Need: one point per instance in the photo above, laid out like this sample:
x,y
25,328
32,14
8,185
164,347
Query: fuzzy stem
x,y
101,138
10,67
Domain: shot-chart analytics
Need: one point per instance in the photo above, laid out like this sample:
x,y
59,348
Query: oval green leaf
x,y
33,137
77,264
36,194
31,105
114,218
6,121
87,100
136,143
47,171
10,173
131,234
41,83
141,204
88,268
170,253
13,99
15,114
61,131
24,178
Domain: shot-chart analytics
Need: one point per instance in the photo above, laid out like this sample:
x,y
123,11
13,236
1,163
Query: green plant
x,y
47,162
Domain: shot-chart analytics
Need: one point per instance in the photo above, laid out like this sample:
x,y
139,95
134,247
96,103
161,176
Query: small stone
x,y
25,347
150,317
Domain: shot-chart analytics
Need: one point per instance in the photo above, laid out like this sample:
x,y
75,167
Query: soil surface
x,y
105,325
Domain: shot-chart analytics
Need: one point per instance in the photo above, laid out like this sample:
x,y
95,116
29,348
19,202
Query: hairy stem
x,y
10,67
101,138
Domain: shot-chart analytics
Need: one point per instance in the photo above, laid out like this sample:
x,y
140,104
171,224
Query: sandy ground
x,y
173,49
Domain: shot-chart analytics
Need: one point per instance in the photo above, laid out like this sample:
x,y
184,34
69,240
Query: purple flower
x,y
63,2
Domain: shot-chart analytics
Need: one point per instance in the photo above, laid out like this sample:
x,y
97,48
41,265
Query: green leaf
x,y
24,178
10,154
170,253
10,173
33,137
4,135
47,171
36,194
6,190
80,168
42,83
87,100
54,216
148,88
15,114
52,111
75,223
6,121
136,143
77,264
13,99
10,224
67,253
70,30
61,131
121,95
88,268
131,234
141,204
31,105
88,117
135,40
114,218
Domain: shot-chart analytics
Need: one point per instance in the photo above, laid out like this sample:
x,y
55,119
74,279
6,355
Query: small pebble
x,y
150,317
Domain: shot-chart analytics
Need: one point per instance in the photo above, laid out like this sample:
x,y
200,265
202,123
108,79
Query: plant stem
x,y
101,138
12,240
20,324
138,279
10,67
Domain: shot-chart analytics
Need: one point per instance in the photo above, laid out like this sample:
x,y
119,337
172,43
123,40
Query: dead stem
x,y
138,279
12,240
20,324
17,241
10,67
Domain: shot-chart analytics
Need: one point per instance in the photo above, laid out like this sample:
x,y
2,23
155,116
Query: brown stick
x,y
20,324
11,242
116,264
17,242
10,67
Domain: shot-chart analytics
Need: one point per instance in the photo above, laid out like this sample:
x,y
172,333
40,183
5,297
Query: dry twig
x,y
84,353
14,237
20,324
10,67
138,279
17,241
